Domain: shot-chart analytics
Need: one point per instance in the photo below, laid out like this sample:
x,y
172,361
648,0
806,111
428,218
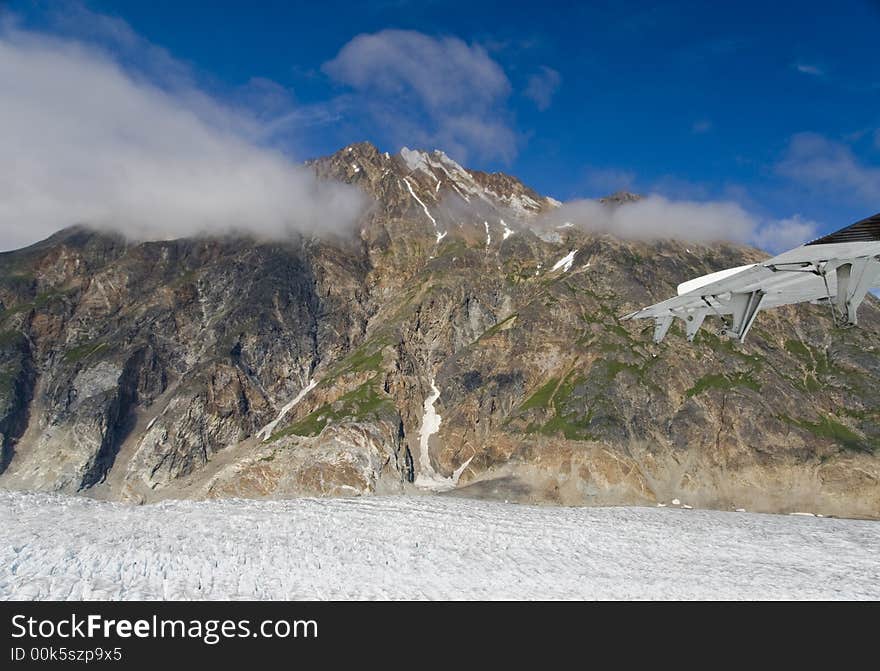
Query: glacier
x,y
422,547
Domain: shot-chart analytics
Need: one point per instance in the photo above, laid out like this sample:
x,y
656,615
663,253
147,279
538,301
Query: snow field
x,y
422,547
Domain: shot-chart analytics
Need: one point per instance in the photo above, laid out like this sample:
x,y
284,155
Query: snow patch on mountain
x,y
419,200
565,262
461,179
414,159
266,432
428,478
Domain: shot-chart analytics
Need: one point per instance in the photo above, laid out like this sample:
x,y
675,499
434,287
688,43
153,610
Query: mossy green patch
x,y
41,299
723,381
812,384
541,397
364,403
362,361
558,397
367,357
565,390
310,425
812,357
800,350
570,426
17,309
833,430
80,352
613,368
503,325
871,414
452,247
619,330
730,347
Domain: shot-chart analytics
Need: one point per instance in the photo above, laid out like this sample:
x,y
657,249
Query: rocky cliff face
x,y
448,345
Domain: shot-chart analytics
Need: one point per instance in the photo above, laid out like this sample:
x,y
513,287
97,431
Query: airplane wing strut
x,y
838,269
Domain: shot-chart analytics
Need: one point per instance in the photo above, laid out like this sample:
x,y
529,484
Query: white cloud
x,y
542,86
657,217
819,162
808,69
778,236
86,140
433,92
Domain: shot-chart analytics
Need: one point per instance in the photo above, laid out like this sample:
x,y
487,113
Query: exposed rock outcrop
x,y
241,367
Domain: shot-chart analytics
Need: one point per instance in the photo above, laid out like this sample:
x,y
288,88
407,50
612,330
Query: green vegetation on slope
x,y
835,431
724,381
363,403
80,352
541,398
557,397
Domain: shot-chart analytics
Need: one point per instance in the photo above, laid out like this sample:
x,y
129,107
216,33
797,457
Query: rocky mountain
x,y
450,344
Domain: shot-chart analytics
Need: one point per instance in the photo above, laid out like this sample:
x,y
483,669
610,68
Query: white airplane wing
x,y
838,269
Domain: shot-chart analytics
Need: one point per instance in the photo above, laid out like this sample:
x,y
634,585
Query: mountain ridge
x,y
452,344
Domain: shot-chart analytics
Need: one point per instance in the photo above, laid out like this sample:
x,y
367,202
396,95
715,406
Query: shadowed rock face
x,y
146,370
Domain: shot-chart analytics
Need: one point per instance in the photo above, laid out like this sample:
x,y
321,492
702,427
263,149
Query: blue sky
x,y
775,106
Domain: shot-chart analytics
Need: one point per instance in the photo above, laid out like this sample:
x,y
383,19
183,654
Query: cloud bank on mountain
x,y
657,217
87,140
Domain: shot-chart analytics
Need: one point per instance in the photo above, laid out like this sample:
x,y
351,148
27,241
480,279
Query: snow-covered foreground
x,y
422,547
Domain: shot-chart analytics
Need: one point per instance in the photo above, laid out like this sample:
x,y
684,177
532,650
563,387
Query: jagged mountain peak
x,y
427,193
497,188
432,180
620,198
